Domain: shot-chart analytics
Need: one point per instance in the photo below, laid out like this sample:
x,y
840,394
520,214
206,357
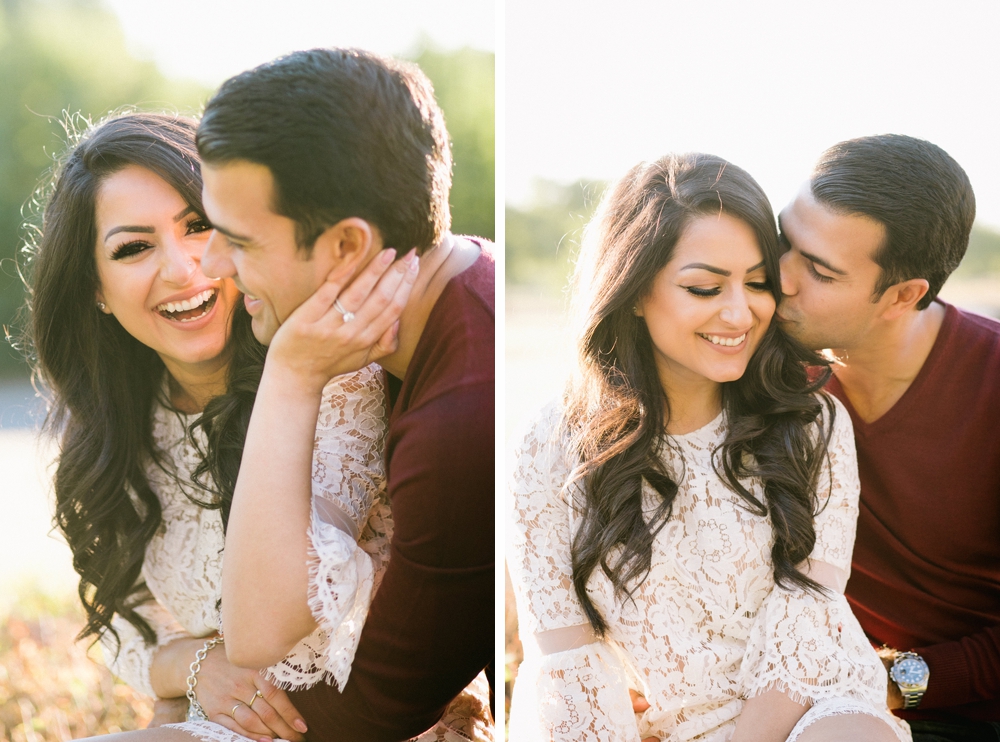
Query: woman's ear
x,y
101,305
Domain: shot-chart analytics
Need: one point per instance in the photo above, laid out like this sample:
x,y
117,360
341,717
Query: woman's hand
x,y
641,705
318,341
168,711
229,696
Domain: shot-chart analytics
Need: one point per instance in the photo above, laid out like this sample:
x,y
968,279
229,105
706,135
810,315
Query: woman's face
x,y
148,252
709,307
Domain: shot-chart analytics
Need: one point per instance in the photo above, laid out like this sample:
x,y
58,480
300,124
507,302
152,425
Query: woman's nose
x,y
736,312
178,264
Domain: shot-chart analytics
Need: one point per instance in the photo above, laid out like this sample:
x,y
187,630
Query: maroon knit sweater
x,y
430,628
926,570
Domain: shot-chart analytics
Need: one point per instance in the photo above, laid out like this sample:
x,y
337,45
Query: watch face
x,y
910,671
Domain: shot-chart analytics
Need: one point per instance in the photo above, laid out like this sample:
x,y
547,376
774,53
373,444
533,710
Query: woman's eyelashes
x,y
706,291
198,224
128,249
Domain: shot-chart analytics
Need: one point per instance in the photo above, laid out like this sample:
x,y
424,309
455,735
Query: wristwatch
x,y
910,673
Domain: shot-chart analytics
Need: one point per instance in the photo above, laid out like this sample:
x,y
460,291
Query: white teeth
x,y
728,342
188,304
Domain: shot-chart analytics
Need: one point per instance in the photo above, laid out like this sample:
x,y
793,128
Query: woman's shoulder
x,y
834,419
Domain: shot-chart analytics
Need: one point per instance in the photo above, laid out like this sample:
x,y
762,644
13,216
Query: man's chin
x,y
262,331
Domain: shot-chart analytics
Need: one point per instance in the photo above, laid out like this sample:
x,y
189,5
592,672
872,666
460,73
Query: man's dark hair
x,y
345,133
916,191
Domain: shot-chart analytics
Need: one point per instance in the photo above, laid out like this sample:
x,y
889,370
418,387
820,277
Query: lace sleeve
x,y
538,528
839,490
811,646
580,693
134,657
348,500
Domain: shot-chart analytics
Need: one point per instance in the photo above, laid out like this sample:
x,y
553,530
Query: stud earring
x,y
102,306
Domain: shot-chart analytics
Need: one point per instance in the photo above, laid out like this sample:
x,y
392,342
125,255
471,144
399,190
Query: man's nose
x,y
215,262
788,287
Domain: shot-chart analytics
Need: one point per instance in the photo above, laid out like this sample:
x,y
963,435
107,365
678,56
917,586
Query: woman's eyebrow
x,y
718,271
129,228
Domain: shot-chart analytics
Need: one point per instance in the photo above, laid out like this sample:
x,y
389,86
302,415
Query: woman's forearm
x,y
768,717
265,572
171,665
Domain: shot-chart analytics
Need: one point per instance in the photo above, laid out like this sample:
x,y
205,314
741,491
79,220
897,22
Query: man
x,y
870,240
315,165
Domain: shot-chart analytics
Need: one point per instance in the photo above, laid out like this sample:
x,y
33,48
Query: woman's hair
x,y
617,409
103,381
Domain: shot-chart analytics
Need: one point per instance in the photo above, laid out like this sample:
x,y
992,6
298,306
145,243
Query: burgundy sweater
x,y
926,570
430,628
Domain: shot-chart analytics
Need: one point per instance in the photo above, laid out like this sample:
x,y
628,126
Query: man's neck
x,y
877,373
438,266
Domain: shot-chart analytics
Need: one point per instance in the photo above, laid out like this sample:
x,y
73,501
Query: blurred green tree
x,y
463,85
59,57
544,236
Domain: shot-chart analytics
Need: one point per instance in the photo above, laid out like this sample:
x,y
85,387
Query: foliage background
x,y
61,57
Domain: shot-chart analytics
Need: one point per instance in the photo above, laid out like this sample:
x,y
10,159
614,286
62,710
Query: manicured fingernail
x,y
414,263
388,256
301,726
395,329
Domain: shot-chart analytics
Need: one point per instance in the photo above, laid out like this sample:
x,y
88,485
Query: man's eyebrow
x,y
129,228
819,261
706,267
230,235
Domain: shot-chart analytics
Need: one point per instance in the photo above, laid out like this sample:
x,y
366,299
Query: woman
x,y
134,342
682,523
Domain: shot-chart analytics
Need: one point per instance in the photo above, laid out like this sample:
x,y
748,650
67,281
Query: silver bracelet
x,y
195,711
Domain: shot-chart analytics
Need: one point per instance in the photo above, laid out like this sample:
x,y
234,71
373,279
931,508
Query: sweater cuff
x,y
948,684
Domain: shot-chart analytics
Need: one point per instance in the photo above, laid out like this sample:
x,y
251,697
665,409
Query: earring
x,y
102,306
635,310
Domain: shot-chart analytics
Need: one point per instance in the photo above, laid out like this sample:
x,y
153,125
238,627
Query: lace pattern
x,y
183,562
707,626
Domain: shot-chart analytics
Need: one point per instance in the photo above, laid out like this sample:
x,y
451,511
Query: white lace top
x,y
183,562
705,629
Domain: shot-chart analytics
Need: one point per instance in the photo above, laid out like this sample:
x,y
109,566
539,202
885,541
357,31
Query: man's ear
x,y
904,296
349,244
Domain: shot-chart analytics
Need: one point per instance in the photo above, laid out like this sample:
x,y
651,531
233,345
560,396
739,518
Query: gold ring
x,y
256,695
233,712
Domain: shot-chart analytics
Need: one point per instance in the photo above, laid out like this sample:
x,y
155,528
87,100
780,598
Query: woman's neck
x,y
192,386
694,401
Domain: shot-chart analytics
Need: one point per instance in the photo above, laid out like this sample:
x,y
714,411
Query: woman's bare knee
x,y
848,728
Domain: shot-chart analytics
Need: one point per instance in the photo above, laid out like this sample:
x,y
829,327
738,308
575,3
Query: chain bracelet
x,y
195,711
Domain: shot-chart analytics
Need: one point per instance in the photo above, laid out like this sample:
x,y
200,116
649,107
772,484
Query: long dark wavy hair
x,y
102,381
617,410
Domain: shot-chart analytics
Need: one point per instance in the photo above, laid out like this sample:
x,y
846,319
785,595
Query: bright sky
x,y
211,40
593,87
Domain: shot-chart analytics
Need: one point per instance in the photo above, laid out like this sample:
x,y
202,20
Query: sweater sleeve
x,y
132,659
963,671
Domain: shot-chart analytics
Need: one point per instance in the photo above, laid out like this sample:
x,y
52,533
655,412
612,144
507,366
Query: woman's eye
x,y
696,291
759,285
198,225
129,249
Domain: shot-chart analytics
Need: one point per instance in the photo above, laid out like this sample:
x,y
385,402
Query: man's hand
x,y
639,705
894,699
318,341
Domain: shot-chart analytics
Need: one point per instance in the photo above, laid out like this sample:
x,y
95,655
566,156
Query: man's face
x,y
256,246
828,274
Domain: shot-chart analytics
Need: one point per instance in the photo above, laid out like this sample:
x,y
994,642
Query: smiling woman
x,y
148,253
682,521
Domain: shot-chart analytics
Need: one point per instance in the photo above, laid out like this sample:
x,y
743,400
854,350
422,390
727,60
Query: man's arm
x,y
963,671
